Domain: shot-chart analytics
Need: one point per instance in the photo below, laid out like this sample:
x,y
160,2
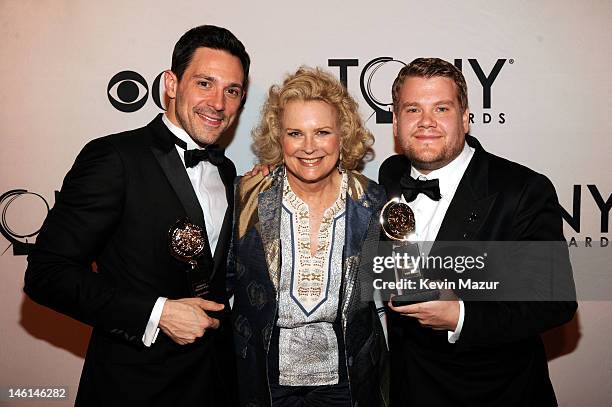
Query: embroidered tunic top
x,y
309,292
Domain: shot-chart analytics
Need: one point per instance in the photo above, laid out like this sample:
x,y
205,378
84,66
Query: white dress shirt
x,y
210,191
429,214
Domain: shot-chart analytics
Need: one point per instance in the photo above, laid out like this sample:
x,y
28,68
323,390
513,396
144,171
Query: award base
x,y
199,285
415,298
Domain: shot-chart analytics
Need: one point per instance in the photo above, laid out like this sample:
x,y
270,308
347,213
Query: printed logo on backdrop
x,y
377,76
573,216
128,91
17,228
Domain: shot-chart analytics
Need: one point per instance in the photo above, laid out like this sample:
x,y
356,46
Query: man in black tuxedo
x,y
455,352
116,207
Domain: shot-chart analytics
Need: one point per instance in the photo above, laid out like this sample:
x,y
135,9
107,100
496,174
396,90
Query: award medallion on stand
x,y
398,223
187,243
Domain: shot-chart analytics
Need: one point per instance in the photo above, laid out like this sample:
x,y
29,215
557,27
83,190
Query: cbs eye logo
x,y
128,91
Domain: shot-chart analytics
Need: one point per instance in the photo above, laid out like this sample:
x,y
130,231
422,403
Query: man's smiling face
x,y
205,100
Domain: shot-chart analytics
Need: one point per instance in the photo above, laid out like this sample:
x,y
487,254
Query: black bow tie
x,y
411,188
212,154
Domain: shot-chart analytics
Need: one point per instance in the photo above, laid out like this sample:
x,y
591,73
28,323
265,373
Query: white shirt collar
x,y
450,175
180,133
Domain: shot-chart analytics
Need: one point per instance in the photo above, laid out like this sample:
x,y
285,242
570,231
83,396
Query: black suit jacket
x,y
499,359
116,205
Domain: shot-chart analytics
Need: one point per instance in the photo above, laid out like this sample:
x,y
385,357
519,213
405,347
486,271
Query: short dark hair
x,y
429,68
208,36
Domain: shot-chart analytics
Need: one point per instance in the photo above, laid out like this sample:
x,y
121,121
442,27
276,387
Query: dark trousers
x,y
336,395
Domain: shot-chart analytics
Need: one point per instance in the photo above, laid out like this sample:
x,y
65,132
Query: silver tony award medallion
x,y
398,223
187,243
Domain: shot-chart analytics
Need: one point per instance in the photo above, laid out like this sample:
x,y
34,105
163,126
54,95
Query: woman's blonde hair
x,y
312,84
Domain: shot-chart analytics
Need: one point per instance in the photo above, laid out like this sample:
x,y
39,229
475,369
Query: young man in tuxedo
x,y
116,207
455,352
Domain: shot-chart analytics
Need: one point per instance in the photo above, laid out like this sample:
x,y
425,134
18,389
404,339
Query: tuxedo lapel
x,y
172,166
471,204
464,216
168,158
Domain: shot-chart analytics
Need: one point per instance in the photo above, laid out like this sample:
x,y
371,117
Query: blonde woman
x,y
303,334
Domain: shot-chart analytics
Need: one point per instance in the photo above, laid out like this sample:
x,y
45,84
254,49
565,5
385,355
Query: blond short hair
x,y
308,84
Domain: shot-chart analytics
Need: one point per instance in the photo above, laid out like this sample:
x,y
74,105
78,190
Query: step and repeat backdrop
x,y
539,83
